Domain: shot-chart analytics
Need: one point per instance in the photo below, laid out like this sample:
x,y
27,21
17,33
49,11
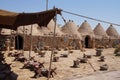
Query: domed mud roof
x,y
112,32
51,26
70,28
85,29
100,32
27,29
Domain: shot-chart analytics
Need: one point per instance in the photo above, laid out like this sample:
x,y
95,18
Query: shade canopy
x,y
12,20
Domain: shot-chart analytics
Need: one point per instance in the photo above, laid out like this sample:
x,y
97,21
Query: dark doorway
x,y
18,42
87,42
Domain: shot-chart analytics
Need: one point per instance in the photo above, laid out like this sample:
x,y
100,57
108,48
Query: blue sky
x,y
108,10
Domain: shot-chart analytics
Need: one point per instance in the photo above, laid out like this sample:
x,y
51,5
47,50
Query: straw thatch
x,y
112,32
100,32
27,30
85,29
70,29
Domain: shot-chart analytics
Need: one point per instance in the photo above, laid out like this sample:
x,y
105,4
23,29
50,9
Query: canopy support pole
x,y
30,42
46,5
12,40
53,46
17,41
23,39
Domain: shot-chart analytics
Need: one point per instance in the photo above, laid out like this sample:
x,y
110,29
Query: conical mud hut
x,y
70,30
100,32
5,31
101,37
7,34
114,37
26,35
112,32
27,30
44,30
51,26
87,35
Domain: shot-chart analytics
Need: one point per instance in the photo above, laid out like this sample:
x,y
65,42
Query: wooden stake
x,y
53,46
30,43
23,39
46,5
17,40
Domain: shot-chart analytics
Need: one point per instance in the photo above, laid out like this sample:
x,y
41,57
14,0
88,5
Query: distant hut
x,y
7,34
112,32
27,30
70,30
44,30
51,26
113,36
87,34
5,31
100,32
101,37
23,36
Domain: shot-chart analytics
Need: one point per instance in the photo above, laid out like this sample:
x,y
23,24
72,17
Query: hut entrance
x,y
18,42
87,42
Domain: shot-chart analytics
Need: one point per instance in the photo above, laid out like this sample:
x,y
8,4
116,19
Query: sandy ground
x,y
110,75
64,70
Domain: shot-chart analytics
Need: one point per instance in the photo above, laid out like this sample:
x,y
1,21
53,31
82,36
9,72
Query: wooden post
x,y
46,5
12,39
30,43
53,46
23,39
17,40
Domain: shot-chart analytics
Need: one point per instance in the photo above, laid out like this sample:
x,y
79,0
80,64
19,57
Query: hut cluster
x,y
70,36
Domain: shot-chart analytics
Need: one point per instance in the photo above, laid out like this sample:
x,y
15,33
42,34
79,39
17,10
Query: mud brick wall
x,y
107,43
60,42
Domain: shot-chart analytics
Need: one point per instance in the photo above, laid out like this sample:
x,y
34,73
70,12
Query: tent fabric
x,y
13,20
7,17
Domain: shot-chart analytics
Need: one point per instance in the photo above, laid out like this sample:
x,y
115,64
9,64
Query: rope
x,y
63,18
91,18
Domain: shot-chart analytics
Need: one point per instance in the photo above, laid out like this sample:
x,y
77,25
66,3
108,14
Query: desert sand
x,y
66,72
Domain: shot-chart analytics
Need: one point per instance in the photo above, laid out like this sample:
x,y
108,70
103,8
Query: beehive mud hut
x,y
114,37
112,32
87,35
70,30
51,26
101,37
